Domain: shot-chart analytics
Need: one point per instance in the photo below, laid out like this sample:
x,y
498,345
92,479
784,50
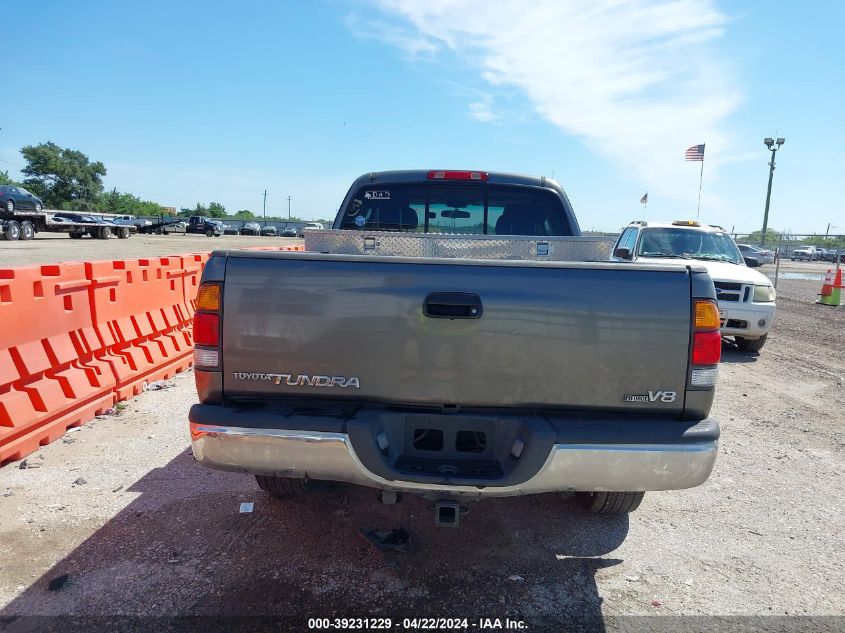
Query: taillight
x,y
706,344
206,329
457,175
706,348
207,326
208,297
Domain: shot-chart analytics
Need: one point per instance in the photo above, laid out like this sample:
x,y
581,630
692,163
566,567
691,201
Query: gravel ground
x,y
119,518
57,247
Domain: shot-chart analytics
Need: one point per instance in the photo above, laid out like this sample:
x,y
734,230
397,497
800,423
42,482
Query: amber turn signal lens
x,y
706,315
208,298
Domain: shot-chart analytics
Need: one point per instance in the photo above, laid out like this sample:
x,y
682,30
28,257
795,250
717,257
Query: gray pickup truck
x,y
456,378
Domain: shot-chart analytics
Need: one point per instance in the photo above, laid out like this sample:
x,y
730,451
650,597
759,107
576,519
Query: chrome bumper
x,y
330,456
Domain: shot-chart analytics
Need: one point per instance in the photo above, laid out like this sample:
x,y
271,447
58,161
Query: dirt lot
x,y
57,247
117,519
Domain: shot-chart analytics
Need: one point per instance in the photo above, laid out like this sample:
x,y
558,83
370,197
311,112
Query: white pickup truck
x,y
746,297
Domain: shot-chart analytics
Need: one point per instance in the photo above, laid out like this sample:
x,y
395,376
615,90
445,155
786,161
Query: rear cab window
x,y
459,208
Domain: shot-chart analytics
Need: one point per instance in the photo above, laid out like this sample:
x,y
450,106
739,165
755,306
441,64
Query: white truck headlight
x,y
763,294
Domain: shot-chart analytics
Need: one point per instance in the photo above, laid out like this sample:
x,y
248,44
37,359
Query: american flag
x,y
696,152
644,199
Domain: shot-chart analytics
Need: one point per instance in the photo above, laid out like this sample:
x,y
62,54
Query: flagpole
x,y
700,180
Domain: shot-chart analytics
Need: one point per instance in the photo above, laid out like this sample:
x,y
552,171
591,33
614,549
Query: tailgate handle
x,y
453,305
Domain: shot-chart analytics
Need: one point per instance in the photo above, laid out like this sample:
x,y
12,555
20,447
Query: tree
x,y
772,237
61,176
199,210
5,180
126,204
216,210
245,215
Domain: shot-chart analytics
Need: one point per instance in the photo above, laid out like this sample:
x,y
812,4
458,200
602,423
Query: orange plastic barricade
x,y
139,311
50,378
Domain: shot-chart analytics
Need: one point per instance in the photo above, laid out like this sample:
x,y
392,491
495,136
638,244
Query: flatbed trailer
x,y
23,225
196,225
159,228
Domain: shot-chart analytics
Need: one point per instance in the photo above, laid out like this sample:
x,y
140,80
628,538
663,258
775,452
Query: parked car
x,y
268,230
290,231
80,218
130,220
831,254
762,255
13,197
251,228
805,253
308,227
746,297
457,379
229,229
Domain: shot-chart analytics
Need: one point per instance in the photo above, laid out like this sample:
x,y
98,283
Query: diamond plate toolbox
x,y
515,247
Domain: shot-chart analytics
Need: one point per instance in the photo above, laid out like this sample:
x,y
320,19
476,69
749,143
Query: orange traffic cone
x,y
831,292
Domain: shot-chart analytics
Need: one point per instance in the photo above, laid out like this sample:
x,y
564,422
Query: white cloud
x,y
636,80
482,110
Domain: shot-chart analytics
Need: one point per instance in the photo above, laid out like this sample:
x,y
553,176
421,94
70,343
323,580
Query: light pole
x,y
774,146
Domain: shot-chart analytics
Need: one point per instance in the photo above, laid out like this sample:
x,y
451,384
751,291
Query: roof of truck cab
x,y
671,225
493,177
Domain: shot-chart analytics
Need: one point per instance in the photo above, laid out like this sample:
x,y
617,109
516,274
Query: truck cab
x,y
199,224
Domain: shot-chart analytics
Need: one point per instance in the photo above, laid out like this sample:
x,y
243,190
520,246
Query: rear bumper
x,y
582,457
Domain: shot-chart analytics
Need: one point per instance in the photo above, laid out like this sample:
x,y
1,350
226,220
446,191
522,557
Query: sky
x,y
188,102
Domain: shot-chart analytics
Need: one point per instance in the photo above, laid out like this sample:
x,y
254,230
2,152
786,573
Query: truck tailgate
x,y
547,336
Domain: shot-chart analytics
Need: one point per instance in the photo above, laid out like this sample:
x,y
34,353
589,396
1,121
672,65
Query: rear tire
x,y
10,205
286,486
27,230
38,207
104,233
12,231
123,233
750,344
609,502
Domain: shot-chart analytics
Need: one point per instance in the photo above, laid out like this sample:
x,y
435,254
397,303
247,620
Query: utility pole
x,y
773,146
265,207
288,208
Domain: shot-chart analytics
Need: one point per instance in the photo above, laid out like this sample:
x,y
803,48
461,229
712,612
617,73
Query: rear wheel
x,y
13,230
104,233
123,233
10,205
38,207
609,502
27,230
750,344
286,486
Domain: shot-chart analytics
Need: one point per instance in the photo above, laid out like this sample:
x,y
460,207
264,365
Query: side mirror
x,y
751,262
622,253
